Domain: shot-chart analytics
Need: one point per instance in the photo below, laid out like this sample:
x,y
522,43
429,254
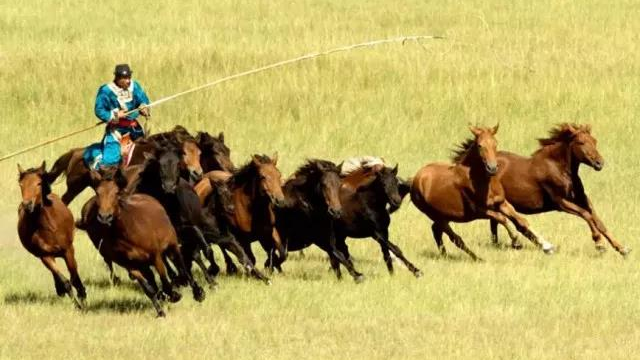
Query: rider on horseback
x,y
113,102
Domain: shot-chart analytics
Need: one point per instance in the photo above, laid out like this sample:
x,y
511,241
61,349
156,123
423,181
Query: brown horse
x,y
135,232
256,188
72,164
468,190
45,227
549,180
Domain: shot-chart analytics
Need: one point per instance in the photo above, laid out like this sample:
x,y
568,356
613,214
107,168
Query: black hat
x,y
122,70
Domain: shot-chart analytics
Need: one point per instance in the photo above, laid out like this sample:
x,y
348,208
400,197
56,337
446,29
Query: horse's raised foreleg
x,y
457,240
50,263
522,225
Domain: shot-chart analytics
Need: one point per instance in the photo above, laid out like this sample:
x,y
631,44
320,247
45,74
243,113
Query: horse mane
x,y
563,133
313,165
246,173
44,184
462,150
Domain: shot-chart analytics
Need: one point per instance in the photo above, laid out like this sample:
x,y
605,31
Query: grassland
x,y
526,64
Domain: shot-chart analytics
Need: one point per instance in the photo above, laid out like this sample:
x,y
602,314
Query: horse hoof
x,y
517,246
174,296
232,270
479,259
198,294
213,271
625,251
549,251
358,278
418,274
116,281
161,314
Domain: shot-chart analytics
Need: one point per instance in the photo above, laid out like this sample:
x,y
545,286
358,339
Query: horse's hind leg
x,y
383,238
50,263
437,231
148,290
70,261
74,187
150,277
208,278
457,240
167,288
515,243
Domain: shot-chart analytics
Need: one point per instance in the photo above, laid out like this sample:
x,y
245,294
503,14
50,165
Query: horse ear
x,y
120,179
43,167
475,130
95,176
587,128
571,129
495,129
274,158
221,136
395,170
20,169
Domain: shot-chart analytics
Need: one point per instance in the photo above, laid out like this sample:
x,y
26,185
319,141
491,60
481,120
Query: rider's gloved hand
x,y
144,111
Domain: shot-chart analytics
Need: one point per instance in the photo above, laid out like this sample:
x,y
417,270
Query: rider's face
x,y
123,82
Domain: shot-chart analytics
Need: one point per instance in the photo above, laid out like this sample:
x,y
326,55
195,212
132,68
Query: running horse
x,y
45,228
549,180
468,190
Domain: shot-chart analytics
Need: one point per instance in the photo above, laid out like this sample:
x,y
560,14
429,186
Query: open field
x,y
526,64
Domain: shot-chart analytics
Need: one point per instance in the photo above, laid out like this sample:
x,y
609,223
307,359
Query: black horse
x,y
215,153
366,213
311,213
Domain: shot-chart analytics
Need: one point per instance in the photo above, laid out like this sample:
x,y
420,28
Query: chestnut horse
x,y
135,232
468,190
45,227
72,164
549,180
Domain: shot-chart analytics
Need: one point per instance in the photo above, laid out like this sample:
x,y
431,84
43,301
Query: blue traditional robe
x,y
109,100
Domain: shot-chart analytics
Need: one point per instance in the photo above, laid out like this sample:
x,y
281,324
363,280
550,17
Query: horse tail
x,y
61,165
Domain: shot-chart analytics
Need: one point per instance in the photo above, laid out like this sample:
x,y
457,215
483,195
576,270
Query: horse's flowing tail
x,y
61,165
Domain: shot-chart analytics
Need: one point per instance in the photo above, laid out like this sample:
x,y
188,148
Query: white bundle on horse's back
x,y
352,164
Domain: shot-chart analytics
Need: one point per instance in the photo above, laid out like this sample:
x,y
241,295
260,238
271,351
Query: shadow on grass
x,y
120,306
107,284
449,257
31,297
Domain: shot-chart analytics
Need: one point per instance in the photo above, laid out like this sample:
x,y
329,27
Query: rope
x,y
402,39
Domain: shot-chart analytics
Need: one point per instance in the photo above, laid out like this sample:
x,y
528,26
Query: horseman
x,y
113,103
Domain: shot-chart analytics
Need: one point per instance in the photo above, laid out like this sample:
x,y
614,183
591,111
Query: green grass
x,y
526,64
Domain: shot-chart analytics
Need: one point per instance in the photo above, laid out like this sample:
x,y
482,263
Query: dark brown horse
x,y
549,180
215,153
45,227
72,164
134,231
468,190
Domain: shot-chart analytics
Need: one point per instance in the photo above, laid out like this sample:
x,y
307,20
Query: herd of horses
x,y
179,194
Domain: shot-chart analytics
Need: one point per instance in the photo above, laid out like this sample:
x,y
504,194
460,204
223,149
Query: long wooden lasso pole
x,y
402,39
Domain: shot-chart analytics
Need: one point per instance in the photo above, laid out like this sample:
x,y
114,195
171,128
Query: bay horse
x,y
136,233
72,164
312,207
549,180
468,190
45,228
256,189
369,195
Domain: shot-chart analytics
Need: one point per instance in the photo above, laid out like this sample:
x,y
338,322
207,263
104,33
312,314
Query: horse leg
x,y
73,189
231,267
170,271
382,237
437,231
206,249
167,288
115,280
208,278
335,244
176,256
457,240
594,222
148,290
150,277
245,259
72,266
522,225
50,263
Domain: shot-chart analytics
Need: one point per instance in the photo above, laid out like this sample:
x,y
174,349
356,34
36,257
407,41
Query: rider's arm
x,y
141,98
102,108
